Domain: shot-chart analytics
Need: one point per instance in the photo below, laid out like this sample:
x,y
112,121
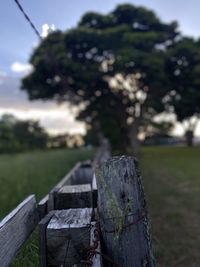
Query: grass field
x,y
172,186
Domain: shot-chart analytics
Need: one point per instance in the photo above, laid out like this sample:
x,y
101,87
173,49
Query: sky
x,y
18,40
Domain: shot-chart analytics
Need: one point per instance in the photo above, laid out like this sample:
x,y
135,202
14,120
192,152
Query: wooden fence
x,y
95,216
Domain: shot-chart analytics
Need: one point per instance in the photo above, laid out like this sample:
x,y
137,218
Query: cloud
x,y
54,118
46,29
19,67
55,121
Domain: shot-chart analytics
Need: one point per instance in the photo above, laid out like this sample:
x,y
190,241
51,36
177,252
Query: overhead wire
x,y
49,54
28,19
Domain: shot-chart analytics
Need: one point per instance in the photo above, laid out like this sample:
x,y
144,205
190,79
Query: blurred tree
x,y
18,135
65,141
30,134
161,128
183,68
8,142
113,65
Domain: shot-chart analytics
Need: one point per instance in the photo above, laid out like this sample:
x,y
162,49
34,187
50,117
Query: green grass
x,y
172,185
33,173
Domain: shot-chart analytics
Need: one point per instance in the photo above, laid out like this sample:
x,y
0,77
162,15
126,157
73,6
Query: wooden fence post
x,y
123,214
68,237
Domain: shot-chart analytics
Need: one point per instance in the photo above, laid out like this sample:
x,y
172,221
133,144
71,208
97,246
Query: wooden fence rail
x,y
15,229
71,229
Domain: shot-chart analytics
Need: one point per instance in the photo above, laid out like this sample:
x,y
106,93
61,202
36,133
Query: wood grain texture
x,y
68,236
73,196
122,212
42,239
15,229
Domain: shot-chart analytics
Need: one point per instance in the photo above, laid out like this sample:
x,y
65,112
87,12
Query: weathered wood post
x,y
123,213
68,237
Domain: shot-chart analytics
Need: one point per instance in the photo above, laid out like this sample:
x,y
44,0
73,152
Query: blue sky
x,y
18,39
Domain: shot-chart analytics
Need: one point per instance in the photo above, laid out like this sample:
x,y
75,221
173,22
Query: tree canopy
x,y
112,66
16,135
183,69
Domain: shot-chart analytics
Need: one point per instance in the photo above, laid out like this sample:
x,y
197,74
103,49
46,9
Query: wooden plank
x,y
15,229
68,236
73,196
42,206
42,239
83,174
67,180
122,213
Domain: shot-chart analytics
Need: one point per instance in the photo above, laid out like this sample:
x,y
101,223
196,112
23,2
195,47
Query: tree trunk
x,y
133,136
189,135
